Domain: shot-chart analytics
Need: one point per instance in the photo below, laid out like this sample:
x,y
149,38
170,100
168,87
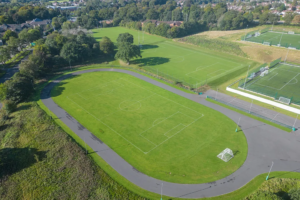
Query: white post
x,y
246,33
217,93
85,147
269,171
246,77
250,106
237,126
161,190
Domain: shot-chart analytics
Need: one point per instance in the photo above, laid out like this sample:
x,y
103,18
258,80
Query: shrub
x,y
9,106
294,194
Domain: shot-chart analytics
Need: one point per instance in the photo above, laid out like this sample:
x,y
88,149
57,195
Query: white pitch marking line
x,y
201,68
289,81
173,129
173,135
107,125
272,76
163,97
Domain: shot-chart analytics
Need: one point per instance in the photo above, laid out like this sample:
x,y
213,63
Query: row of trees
x,y
16,14
17,42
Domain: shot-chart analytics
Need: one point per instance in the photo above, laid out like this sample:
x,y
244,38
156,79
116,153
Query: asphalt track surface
x,y
266,144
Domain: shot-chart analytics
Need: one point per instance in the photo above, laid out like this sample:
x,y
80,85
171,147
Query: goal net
x,y
291,32
284,100
267,43
226,155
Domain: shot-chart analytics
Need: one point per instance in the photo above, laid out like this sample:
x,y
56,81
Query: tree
x,y
294,4
296,20
19,87
3,91
24,36
4,54
152,14
70,52
288,18
294,194
29,68
34,34
106,45
14,45
125,38
128,51
9,34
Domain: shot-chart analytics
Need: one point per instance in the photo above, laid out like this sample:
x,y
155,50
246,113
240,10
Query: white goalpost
x,y
284,100
226,155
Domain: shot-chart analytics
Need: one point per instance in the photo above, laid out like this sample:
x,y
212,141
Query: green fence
x,y
252,113
275,62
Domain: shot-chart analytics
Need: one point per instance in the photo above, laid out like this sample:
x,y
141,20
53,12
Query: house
x,y
110,21
13,27
38,22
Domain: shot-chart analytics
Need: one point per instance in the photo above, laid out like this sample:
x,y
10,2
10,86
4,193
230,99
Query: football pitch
x,y
158,132
278,39
183,62
282,80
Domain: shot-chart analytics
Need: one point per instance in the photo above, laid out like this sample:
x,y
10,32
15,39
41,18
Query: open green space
x,y
282,81
278,39
182,62
160,133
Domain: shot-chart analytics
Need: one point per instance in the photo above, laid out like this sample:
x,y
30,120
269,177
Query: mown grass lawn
x,y
160,133
182,62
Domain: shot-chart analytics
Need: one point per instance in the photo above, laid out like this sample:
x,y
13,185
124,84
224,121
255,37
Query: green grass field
x,y
282,80
278,39
183,62
160,133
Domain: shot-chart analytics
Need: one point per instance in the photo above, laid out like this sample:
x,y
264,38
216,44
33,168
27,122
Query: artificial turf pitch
x,y
282,80
277,38
183,62
158,132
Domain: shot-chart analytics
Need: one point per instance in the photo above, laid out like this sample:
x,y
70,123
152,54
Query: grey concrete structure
x,y
265,144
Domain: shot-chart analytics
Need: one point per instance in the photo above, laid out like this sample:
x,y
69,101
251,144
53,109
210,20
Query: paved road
x,y
265,144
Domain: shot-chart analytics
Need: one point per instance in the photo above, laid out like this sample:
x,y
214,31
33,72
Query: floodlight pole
x,y
251,106
161,191
286,55
236,130
246,77
217,93
272,26
269,171
295,123
280,39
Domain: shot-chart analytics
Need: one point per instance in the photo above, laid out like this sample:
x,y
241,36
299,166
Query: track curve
x,y
265,144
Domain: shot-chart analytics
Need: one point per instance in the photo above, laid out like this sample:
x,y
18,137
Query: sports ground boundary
x,y
265,144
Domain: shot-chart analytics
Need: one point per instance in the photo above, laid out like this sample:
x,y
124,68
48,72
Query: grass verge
x,y
249,115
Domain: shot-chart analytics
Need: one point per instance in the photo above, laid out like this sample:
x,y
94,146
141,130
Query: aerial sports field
x,y
183,62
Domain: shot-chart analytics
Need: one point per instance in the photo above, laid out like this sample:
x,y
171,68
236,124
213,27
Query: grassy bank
x,y
39,160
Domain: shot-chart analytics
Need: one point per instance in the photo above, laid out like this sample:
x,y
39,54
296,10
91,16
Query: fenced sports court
x,y
277,80
274,37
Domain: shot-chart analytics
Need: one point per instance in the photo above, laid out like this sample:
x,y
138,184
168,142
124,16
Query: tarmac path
x,y
265,144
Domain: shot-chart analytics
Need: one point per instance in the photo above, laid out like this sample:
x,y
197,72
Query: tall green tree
x,y
125,38
127,51
9,34
107,46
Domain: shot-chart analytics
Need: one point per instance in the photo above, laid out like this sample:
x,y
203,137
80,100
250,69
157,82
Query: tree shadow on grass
x,y
13,160
151,61
148,46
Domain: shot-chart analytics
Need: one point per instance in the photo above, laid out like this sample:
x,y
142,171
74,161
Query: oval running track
x,y
265,144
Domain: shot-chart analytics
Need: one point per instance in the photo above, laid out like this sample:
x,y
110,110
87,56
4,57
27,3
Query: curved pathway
x,y
265,144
